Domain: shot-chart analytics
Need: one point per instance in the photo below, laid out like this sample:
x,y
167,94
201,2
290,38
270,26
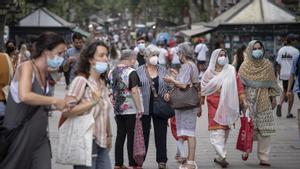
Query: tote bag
x,y
75,140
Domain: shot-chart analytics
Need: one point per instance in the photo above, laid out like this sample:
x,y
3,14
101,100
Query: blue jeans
x,y
101,161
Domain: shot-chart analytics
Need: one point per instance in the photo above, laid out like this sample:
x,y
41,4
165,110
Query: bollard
x,y
299,121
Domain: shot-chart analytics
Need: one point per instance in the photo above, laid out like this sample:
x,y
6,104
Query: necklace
x,y
43,83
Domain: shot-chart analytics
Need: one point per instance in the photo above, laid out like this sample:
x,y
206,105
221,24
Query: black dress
x,y
31,148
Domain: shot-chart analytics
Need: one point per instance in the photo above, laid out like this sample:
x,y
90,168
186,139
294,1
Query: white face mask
x,y
153,60
222,60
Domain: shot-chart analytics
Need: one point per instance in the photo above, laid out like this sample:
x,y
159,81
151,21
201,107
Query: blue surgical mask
x,y
55,62
257,54
141,47
222,60
101,67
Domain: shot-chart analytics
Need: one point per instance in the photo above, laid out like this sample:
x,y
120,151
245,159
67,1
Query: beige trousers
x,y
263,147
218,139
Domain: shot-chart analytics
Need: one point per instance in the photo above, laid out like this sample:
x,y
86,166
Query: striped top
x,y
145,85
81,92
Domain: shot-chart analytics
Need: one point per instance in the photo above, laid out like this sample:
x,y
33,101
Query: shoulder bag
x,y
185,98
161,108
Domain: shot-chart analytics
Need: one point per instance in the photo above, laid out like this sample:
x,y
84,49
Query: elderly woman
x,y
156,73
186,119
127,105
261,89
220,82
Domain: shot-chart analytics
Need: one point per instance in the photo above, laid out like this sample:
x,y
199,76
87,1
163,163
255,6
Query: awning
x,y
197,30
81,31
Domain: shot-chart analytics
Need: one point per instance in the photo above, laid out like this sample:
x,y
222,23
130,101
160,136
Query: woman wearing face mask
x,y
26,108
186,119
53,69
156,73
93,98
219,83
127,106
261,89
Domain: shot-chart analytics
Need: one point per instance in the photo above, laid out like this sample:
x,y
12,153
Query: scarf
x,y
228,109
259,73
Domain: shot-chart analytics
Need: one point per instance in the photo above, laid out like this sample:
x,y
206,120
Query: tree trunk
x,y
2,20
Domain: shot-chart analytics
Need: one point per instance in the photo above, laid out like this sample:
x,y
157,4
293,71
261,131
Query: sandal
x,y
189,165
245,156
264,163
162,166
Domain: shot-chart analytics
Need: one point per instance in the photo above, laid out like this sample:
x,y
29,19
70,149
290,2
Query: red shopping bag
x,y
139,150
245,138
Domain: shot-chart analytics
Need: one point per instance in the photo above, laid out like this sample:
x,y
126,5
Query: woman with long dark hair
x,y
26,107
89,93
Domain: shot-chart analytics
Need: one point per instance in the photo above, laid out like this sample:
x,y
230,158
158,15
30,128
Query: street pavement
x,y
285,152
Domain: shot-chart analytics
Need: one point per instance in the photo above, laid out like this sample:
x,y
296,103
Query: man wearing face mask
x,y
141,46
285,58
71,58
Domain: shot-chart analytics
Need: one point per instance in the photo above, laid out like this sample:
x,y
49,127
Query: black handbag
x,y
161,108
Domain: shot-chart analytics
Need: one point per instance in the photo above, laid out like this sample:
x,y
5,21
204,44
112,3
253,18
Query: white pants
x,y
218,139
263,147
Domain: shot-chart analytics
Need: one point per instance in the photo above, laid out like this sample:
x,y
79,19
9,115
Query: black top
x,y
156,85
134,80
140,58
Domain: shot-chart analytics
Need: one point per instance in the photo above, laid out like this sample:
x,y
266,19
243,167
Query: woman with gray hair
x,y
153,73
186,119
127,106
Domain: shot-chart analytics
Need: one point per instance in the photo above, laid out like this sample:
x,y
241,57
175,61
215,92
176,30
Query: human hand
x,y
61,104
274,103
167,97
109,142
168,79
96,95
199,112
139,115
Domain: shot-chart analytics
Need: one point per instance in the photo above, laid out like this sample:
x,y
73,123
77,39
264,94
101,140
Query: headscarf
x,y
259,73
228,109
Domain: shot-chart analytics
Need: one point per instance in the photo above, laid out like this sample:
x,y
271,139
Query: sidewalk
x,y
285,153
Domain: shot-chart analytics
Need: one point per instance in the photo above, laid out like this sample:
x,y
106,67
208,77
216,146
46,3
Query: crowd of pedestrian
x,y
104,78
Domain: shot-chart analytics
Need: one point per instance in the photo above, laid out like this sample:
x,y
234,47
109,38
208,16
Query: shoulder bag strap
x,y
151,83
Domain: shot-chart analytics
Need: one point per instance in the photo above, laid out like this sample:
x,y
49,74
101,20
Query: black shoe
x,y
278,111
223,163
290,116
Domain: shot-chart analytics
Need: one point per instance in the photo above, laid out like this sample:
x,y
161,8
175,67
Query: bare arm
x,y
80,108
24,77
135,91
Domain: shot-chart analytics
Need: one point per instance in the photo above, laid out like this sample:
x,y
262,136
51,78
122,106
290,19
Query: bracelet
x,y
110,135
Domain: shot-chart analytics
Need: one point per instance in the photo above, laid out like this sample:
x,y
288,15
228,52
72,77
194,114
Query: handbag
x,y
245,137
75,139
185,98
161,108
7,136
139,150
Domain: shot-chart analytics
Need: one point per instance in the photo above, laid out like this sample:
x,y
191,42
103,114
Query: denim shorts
x,y
2,108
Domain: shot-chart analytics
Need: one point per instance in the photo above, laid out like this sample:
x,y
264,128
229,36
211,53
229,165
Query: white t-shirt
x,y
285,58
175,59
201,49
163,53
